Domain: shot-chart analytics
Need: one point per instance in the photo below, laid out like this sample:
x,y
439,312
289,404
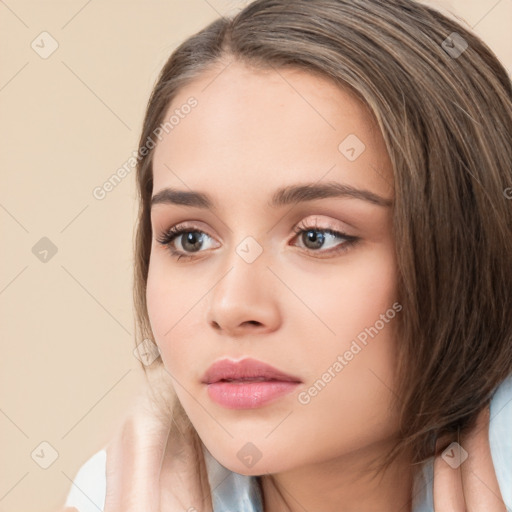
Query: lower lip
x,y
248,395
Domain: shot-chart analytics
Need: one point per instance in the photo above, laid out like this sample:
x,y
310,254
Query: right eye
x,y
183,240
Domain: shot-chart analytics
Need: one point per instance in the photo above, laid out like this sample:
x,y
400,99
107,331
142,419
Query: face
x,y
289,260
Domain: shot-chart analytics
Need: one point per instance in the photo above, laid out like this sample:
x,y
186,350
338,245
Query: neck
x,y
343,484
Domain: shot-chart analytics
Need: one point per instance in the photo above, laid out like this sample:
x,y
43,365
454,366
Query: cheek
x,y
159,300
166,298
362,352
345,298
350,409
175,304
349,356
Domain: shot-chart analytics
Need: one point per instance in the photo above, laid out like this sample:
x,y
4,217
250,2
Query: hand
x,y
151,467
471,486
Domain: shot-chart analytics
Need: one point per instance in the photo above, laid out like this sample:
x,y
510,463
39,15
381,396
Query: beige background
x,y
69,122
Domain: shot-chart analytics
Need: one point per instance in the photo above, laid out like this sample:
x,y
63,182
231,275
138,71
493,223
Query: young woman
x,y
324,260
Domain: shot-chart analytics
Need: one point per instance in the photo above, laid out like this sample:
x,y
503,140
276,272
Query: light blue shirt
x,y
241,493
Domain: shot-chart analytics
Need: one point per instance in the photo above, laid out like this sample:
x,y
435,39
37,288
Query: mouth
x,y
248,369
252,379
249,393
247,384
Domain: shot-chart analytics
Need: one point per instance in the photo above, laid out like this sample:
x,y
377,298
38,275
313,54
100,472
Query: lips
x,y
246,370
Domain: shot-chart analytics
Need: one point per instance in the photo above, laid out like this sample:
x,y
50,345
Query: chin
x,y
235,462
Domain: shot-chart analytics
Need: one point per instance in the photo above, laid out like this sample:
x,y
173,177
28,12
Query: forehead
x,y
261,129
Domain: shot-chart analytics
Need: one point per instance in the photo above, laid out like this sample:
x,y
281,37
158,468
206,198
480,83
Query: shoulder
x,y
88,489
500,438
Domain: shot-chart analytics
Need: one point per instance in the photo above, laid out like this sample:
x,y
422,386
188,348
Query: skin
x,y
138,478
251,133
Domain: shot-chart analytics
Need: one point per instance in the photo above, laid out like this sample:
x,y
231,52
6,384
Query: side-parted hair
x,y
446,119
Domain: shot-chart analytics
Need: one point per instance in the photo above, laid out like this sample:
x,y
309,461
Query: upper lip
x,y
227,369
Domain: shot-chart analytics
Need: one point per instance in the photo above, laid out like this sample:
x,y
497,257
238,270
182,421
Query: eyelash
x,y
168,237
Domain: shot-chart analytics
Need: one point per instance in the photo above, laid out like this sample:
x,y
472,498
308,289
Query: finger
x,y
134,459
448,494
479,482
184,479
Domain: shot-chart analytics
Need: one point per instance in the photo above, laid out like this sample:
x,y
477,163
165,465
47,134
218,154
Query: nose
x,y
245,299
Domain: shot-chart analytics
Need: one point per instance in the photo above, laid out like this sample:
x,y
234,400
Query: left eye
x,y
312,237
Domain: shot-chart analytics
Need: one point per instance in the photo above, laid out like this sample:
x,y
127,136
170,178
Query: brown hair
x,y
446,120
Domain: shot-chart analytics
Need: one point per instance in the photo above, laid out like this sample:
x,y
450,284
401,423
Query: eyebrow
x,y
281,197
